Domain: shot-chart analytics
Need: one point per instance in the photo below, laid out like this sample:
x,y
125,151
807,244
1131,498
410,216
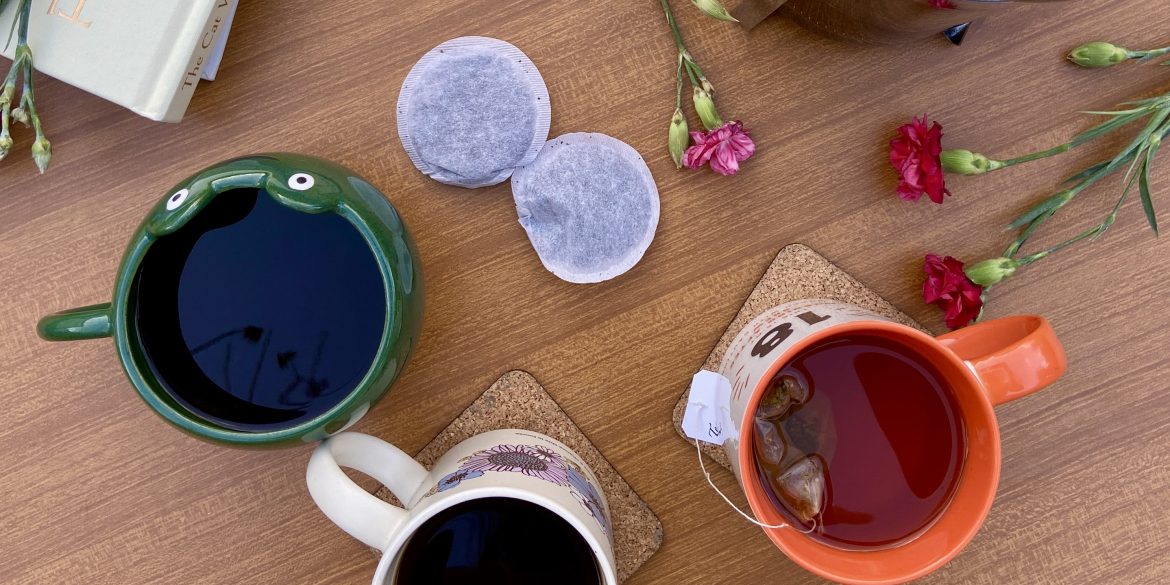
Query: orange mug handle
x,y
1012,356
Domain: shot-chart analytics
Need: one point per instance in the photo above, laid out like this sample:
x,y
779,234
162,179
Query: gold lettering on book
x,y
74,17
191,77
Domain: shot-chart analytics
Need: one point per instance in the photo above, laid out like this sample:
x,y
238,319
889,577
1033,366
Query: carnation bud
x,y
965,162
678,139
705,106
5,145
989,272
714,9
20,115
42,151
1098,54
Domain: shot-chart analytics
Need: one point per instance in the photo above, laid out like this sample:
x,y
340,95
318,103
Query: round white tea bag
x,y
589,205
472,110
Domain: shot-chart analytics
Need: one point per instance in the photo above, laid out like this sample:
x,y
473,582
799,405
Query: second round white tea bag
x,y
589,205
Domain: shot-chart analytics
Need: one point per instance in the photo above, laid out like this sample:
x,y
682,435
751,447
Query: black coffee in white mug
x,y
502,541
505,507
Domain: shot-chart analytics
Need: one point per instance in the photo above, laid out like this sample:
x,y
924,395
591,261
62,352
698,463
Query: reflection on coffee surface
x,y
256,316
501,541
860,441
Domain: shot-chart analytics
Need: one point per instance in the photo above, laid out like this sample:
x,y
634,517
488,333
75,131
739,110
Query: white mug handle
x,y
353,509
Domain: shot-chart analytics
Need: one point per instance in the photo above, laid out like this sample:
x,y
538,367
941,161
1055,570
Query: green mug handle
x,y
90,322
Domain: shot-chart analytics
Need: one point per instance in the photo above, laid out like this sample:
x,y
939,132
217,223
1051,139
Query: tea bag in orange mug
x,y
801,487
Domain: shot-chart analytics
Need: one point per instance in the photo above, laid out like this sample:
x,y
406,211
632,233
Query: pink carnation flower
x,y
724,147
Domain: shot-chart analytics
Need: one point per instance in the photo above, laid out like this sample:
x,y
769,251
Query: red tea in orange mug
x,y
859,441
870,448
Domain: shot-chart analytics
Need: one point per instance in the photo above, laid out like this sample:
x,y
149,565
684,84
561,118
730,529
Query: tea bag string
x,y
746,516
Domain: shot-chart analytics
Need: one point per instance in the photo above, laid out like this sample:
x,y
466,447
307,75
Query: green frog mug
x,y
267,300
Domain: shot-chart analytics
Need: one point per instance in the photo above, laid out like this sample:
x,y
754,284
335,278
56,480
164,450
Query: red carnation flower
x,y
915,155
948,287
942,4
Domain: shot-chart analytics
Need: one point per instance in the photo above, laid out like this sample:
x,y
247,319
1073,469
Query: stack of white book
x,y
145,55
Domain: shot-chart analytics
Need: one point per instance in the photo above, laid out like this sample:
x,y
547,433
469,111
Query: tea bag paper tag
x,y
708,414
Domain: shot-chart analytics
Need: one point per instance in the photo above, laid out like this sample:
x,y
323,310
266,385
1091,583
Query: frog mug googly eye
x,y
301,182
177,199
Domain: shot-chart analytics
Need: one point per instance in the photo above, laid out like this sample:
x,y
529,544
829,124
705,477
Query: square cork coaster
x,y
518,401
797,273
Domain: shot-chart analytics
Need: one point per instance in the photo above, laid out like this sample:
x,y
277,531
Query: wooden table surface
x,y
94,488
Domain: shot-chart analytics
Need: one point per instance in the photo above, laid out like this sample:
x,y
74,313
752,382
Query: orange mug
x,y
984,365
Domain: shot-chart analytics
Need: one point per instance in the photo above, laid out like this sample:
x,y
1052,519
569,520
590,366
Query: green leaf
x,y
1085,173
1130,178
1113,112
1106,127
1049,204
1134,148
1144,187
1100,170
1142,102
11,29
714,9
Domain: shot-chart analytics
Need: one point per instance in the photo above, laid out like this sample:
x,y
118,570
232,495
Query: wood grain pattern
x,y
94,488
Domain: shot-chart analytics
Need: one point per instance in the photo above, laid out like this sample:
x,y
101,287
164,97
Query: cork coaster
x,y
797,273
518,401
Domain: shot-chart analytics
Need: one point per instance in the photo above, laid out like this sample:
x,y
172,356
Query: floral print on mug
x,y
539,462
534,461
585,493
451,480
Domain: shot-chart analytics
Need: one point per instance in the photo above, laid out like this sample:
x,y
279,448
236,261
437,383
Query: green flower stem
x,y
25,55
1150,54
1158,127
693,71
690,71
693,66
1093,232
1059,200
1055,150
17,62
678,74
22,20
678,41
1095,173
5,115
26,99
1015,246
22,69
18,59
1087,234
1120,118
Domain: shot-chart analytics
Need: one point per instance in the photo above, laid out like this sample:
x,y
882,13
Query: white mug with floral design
x,y
515,464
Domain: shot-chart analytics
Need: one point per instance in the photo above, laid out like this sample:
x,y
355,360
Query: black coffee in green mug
x,y
266,300
257,316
